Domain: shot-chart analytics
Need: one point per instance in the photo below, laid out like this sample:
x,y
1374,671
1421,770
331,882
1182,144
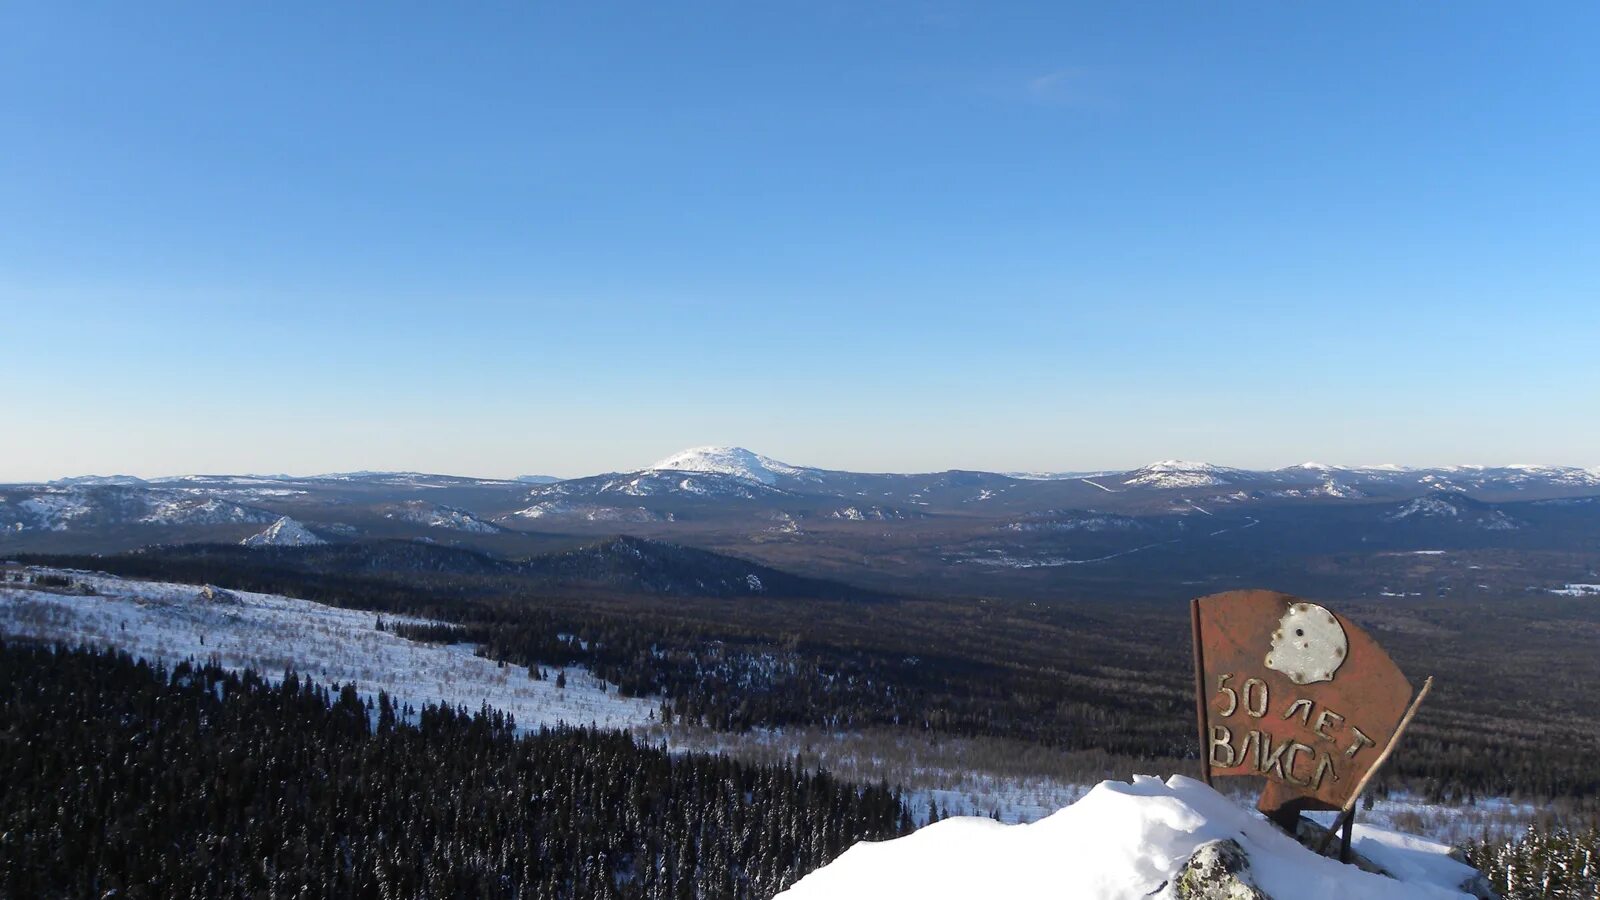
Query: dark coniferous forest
x,y
123,779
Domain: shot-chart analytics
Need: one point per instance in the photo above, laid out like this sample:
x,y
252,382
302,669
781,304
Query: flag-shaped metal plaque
x,y
1294,693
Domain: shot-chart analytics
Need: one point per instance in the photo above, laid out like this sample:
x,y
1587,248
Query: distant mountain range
x,y
976,531
744,465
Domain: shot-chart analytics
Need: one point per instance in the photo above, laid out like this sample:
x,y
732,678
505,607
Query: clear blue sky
x,y
508,238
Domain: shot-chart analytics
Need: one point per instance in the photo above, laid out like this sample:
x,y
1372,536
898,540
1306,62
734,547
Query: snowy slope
x,y
53,510
270,633
663,483
1453,508
1119,841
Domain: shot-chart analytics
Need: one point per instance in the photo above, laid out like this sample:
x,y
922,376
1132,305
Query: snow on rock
x,y
285,532
1123,841
735,461
1578,590
271,633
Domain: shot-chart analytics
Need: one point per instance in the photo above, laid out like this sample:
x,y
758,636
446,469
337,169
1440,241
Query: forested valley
x,y
1101,677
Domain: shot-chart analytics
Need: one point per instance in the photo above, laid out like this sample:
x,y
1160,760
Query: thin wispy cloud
x,y
1073,86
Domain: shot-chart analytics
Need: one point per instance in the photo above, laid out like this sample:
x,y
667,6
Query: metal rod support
x,y
1345,836
1394,739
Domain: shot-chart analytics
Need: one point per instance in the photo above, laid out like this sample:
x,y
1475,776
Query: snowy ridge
x,y
1426,507
100,504
589,512
1124,841
664,482
285,532
1310,466
271,633
203,511
54,510
420,512
1454,508
96,481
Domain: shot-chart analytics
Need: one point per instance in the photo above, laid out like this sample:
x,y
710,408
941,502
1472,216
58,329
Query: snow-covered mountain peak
x,y
1181,465
735,461
1180,473
1312,466
285,532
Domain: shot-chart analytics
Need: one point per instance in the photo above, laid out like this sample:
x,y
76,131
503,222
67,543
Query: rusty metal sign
x,y
1295,693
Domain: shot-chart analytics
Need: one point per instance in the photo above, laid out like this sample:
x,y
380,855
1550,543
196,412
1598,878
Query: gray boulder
x,y
1218,870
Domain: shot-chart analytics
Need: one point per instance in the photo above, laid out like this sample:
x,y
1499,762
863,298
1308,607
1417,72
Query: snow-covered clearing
x,y
1026,782
272,634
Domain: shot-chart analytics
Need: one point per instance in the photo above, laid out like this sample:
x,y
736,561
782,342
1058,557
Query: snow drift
x,y
1129,841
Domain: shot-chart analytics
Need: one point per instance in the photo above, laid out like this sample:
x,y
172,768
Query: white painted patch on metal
x,y
1309,645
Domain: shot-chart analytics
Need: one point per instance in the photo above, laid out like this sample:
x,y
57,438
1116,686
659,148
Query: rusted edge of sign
x,y
1201,704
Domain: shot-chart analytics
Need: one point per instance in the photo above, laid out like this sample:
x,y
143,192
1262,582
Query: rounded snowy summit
x,y
735,461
